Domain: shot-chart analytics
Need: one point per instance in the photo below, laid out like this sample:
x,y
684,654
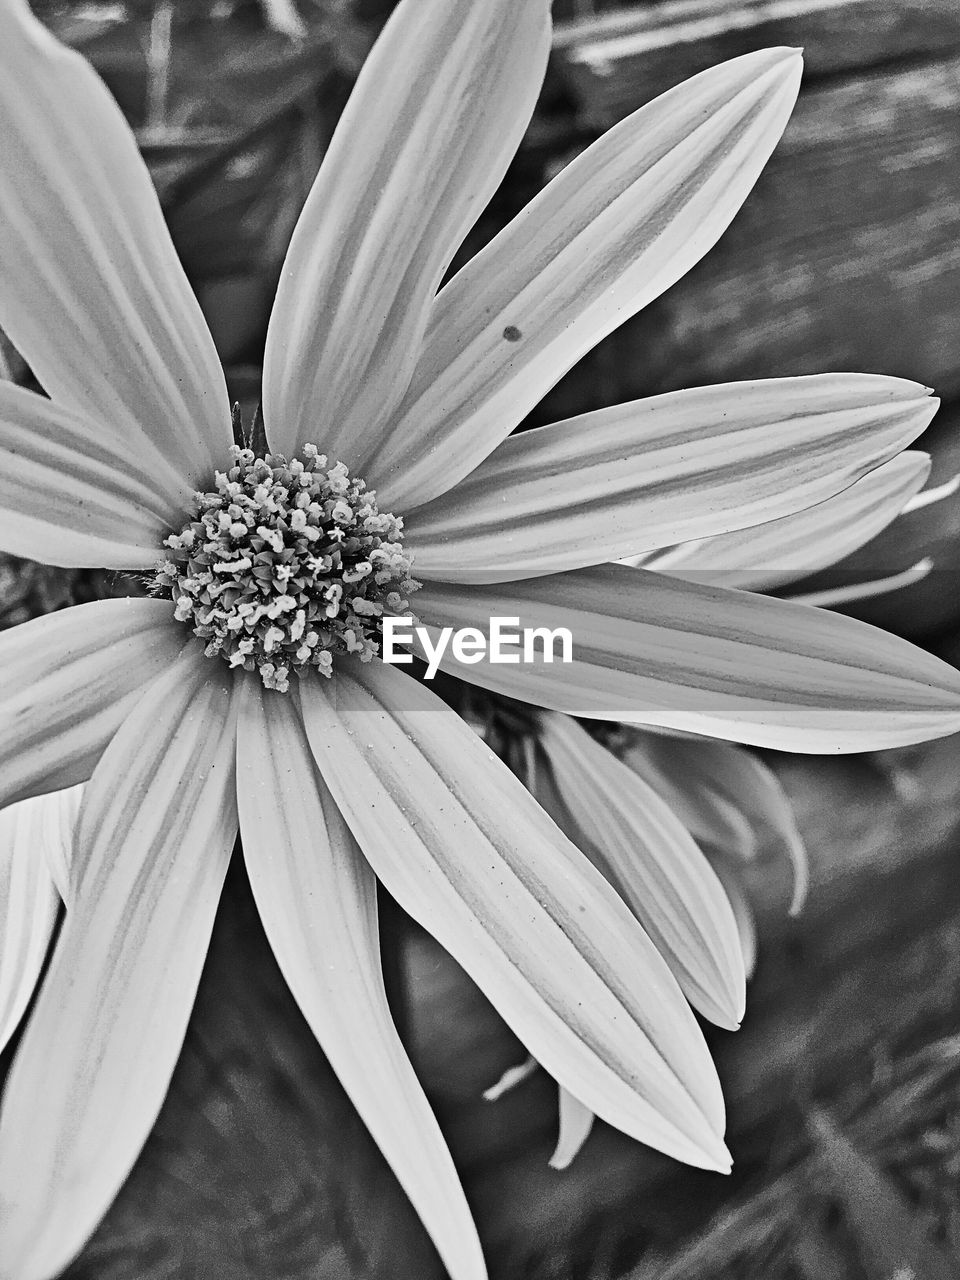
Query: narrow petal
x,y
691,464
69,681
70,493
618,226
576,1121
653,860
317,898
467,851
28,907
651,649
770,555
727,799
155,833
91,291
742,913
436,115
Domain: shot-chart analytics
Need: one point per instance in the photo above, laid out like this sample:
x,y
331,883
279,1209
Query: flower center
x,y
285,565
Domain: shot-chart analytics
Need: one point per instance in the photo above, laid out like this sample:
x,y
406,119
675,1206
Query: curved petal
x,y
690,464
652,859
436,115
770,555
91,291
618,226
576,1121
726,798
742,913
468,852
69,493
156,829
317,898
650,649
69,681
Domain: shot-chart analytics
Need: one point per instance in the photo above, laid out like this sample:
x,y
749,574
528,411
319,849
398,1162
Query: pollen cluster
x,y
285,565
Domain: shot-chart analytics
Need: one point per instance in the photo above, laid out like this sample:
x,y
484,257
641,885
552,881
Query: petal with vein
x,y
69,681
71,495
317,898
156,828
690,464
759,559
91,290
648,854
576,1121
437,112
618,226
651,649
467,851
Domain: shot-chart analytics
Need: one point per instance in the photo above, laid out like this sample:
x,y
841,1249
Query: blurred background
x,y
844,1083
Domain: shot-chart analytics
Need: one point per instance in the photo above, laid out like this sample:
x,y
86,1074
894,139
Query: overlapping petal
x,y
71,493
91,290
647,852
317,899
742,913
537,927
759,559
617,227
690,464
576,1121
436,115
155,832
651,649
69,681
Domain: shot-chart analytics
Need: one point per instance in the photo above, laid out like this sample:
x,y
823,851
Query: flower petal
x,y
742,913
70,493
648,854
467,851
437,113
155,833
690,464
770,555
650,649
91,291
576,1121
70,680
617,227
317,898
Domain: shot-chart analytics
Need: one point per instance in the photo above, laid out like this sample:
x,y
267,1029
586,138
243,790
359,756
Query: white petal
x,y
650,649
742,913
576,1121
617,227
467,851
69,680
91,291
156,828
436,115
690,464
652,859
317,898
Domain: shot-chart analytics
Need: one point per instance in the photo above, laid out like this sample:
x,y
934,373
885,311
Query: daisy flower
x,y
248,693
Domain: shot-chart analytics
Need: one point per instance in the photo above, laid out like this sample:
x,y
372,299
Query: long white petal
x,y
155,833
28,908
576,1121
317,898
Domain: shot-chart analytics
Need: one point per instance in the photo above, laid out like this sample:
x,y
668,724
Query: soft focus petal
x,y
653,860
155,833
69,681
91,291
317,898
651,649
742,913
691,464
576,1121
467,851
70,494
617,227
438,111
761,558
726,798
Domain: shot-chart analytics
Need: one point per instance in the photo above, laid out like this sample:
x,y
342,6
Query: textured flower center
x,y
285,565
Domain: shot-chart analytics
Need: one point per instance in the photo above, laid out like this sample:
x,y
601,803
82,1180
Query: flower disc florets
x,y
287,564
